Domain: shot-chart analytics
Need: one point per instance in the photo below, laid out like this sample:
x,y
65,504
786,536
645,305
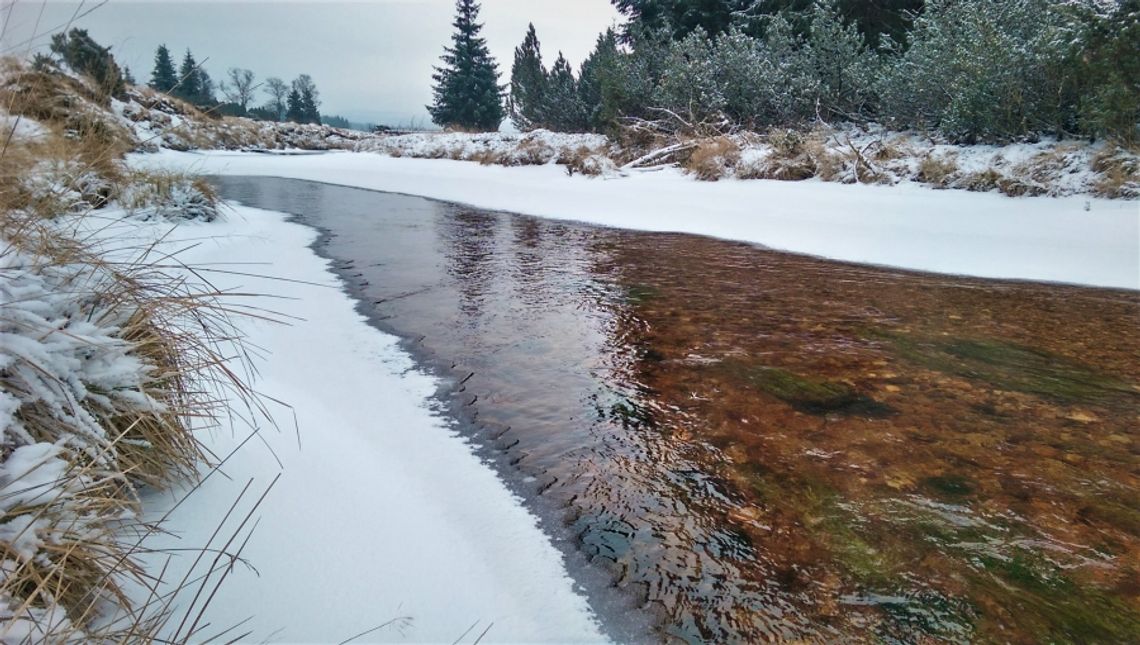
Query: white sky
x,y
371,59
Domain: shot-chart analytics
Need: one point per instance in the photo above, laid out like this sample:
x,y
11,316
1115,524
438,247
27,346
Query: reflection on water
x,y
758,446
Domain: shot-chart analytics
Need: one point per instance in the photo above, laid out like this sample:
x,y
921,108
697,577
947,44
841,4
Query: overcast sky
x,y
371,59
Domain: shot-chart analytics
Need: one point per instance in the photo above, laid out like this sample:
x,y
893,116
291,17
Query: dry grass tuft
x,y
1119,171
980,182
713,159
938,170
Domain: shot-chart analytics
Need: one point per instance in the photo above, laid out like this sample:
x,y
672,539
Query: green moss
x,y
1008,366
953,487
639,293
811,395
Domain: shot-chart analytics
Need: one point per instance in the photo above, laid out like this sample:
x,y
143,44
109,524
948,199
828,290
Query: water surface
x,y
734,444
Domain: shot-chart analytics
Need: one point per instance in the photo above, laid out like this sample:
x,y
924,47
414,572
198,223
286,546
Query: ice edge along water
x,y
382,510
1077,240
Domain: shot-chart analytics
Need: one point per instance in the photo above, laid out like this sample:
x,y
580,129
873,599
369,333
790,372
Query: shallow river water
x,y
733,444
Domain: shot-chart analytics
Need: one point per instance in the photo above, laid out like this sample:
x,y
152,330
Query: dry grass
x,y
938,170
115,443
585,161
1119,170
712,159
980,182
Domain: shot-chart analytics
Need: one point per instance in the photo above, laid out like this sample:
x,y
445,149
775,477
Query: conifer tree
x,y
205,89
294,110
82,54
128,77
528,83
163,78
596,77
563,109
466,91
189,86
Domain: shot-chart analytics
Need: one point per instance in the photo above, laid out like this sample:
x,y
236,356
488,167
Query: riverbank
x,y
1077,240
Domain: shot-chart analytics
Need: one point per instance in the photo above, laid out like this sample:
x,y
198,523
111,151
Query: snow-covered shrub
x,y
985,70
159,194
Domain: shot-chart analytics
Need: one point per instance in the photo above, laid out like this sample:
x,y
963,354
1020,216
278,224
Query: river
x,y
733,444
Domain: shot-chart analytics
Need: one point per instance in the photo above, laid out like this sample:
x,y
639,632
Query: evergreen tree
x,y
466,91
528,84
681,17
563,108
308,100
598,72
163,78
83,55
206,88
128,77
189,87
294,111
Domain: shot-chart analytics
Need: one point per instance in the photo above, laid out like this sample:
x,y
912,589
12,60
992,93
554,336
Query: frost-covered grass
x,y
847,155
104,367
109,359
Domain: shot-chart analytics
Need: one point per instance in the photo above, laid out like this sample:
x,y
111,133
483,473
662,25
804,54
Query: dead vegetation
x,y
82,441
1119,170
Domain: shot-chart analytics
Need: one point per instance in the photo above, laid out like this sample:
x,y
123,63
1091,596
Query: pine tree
x,y
128,77
466,91
82,54
528,83
305,108
163,77
563,107
205,89
294,111
189,87
597,74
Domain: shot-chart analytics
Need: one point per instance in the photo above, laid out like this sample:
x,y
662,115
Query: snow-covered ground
x,y
382,511
1076,239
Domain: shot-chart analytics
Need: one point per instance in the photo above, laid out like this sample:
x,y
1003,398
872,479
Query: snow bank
x,y
1069,239
382,511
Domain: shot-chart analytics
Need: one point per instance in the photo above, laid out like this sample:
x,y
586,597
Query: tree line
x,y
298,101
973,70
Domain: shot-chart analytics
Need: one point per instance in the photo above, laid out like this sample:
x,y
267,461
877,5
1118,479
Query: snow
x,y
21,128
31,476
381,511
1078,240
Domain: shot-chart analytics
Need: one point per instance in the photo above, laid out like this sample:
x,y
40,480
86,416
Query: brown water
x,y
733,444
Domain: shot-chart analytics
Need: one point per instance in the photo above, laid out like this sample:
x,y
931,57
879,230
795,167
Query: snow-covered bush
x,y
985,70
157,194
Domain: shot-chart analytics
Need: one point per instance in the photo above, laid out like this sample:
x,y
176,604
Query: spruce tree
x,y
294,111
563,109
596,77
163,78
466,91
189,87
205,89
528,83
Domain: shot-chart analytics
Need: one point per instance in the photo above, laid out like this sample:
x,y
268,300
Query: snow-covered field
x,y
1075,239
382,511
